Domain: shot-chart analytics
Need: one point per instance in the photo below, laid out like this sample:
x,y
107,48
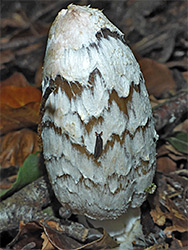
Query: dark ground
x,y
157,33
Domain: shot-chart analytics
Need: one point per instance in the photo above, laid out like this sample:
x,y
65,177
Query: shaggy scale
x,y
97,91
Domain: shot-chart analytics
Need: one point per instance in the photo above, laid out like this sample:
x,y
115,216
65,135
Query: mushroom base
x,y
125,229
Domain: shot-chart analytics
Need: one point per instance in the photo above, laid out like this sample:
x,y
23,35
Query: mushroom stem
x,y
125,229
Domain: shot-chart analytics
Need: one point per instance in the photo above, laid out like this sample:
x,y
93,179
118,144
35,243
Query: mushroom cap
x,y
99,91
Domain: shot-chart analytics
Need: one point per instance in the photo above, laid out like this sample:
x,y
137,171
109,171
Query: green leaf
x,y
28,173
179,141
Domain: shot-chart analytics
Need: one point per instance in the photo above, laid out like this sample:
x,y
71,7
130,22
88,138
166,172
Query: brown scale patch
x,y
92,76
121,140
106,33
70,88
120,101
81,149
93,122
119,180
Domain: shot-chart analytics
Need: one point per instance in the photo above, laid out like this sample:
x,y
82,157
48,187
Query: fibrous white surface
x,y
99,88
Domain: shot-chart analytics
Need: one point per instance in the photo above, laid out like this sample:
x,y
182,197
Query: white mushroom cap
x,y
99,88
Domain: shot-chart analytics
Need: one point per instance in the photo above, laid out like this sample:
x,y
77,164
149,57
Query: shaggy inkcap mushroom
x,y
97,127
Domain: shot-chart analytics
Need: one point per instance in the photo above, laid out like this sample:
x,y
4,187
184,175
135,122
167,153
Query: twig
x,y
22,42
170,113
25,204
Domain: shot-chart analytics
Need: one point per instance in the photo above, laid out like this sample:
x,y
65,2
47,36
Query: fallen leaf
x,y
179,141
16,97
16,146
17,79
105,242
46,245
16,118
165,210
28,237
179,220
19,107
166,165
27,173
60,240
158,77
158,216
158,246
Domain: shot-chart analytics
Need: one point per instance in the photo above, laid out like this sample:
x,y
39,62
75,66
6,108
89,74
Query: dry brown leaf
x,y
105,242
165,208
29,234
16,118
166,165
46,245
19,107
158,216
162,151
57,237
158,246
167,157
16,146
158,77
17,79
16,97
60,240
179,220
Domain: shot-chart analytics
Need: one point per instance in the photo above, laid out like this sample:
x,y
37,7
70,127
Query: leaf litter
x,y
157,35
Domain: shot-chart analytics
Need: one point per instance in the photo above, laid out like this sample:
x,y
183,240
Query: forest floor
x,y
156,31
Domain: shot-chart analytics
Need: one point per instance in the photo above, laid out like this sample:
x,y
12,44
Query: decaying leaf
x,y
165,164
16,97
168,156
158,246
28,235
158,77
50,235
16,146
165,204
16,79
46,245
158,216
58,238
19,107
105,242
